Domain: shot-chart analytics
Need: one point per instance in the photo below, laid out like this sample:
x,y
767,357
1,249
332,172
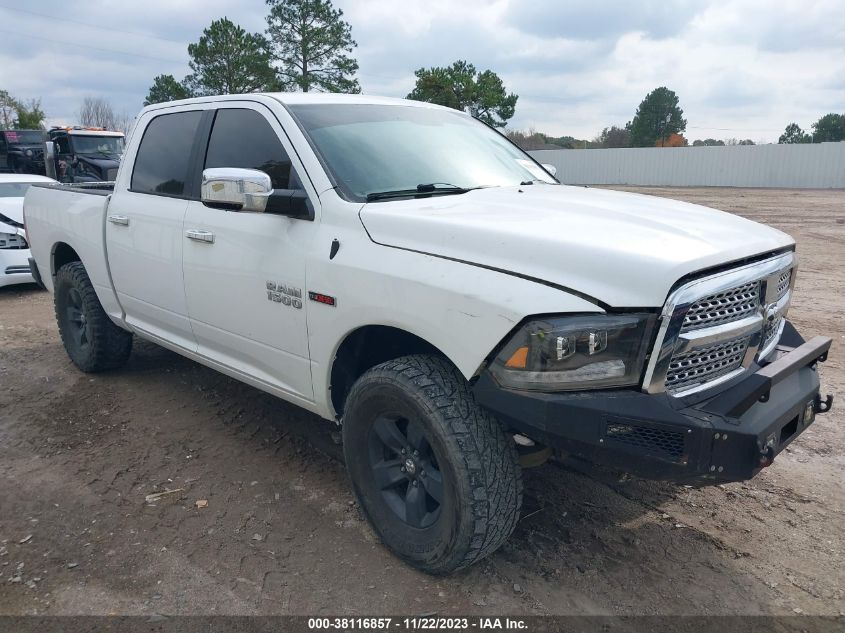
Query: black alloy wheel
x,y
77,322
91,339
434,474
405,469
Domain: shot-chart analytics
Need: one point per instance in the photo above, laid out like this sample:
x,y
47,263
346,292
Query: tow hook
x,y
822,407
767,456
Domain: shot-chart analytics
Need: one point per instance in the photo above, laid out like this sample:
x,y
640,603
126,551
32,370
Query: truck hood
x,y
22,147
622,249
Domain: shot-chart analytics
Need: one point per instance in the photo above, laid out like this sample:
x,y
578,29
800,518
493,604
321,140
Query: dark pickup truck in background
x,y
22,151
83,154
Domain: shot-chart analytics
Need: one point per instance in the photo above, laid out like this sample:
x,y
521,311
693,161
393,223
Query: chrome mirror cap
x,y
238,189
550,168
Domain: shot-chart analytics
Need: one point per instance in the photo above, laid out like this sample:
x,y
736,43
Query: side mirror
x,y
550,168
236,189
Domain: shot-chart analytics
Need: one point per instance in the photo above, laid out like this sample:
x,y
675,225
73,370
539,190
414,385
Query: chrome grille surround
x,y
712,329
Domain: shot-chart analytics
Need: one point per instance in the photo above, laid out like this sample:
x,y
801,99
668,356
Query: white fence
x,y
816,166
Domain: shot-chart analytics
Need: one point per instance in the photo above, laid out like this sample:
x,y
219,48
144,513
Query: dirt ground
x,y
282,535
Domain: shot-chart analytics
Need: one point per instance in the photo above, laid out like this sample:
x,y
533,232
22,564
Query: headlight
x,y
574,353
29,153
12,241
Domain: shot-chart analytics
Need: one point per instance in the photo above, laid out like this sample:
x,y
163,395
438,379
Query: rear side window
x,y
244,139
163,161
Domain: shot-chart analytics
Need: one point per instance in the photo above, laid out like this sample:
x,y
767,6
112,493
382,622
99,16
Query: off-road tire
x,y
96,344
481,478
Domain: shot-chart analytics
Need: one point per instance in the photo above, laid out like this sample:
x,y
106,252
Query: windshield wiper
x,y
425,189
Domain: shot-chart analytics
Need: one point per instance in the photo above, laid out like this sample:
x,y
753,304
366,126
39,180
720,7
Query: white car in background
x,y
14,248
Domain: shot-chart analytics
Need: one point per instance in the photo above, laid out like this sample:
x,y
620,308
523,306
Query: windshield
x,y
14,189
378,148
24,137
97,144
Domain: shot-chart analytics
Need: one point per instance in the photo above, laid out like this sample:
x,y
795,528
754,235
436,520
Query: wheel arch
x,y
62,253
365,347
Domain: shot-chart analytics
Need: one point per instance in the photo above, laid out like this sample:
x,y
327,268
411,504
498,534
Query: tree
x,y
166,88
794,134
673,140
123,122
658,117
8,110
831,127
708,142
97,112
736,141
30,116
228,60
614,136
461,87
531,140
312,45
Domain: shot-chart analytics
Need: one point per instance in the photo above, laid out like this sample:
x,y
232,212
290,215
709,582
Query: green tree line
x,y
18,114
308,45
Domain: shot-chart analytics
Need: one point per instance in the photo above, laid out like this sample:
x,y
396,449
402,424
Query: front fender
x,y
463,310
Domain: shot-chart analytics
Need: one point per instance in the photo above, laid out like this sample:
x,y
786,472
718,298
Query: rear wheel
x,y
435,475
93,342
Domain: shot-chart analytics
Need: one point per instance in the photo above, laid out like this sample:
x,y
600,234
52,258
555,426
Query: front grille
x,y
705,364
655,441
714,327
723,307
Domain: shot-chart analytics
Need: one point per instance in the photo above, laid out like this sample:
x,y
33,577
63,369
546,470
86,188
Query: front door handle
x,y
122,220
200,236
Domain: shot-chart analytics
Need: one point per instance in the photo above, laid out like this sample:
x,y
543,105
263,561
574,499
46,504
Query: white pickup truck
x,y
406,271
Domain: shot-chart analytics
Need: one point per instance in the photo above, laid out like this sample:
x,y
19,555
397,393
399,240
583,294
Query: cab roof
x,y
297,98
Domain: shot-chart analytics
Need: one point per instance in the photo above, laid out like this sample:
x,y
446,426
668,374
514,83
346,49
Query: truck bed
x,y
69,221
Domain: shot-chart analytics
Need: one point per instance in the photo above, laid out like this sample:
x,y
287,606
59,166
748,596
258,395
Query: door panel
x,y
144,228
245,272
234,316
145,257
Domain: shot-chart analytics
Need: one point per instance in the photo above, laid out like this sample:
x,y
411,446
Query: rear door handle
x,y
122,220
200,236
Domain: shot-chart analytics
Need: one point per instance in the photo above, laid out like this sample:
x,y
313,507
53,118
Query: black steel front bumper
x,y
729,436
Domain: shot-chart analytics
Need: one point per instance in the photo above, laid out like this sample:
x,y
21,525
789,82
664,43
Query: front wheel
x,y
93,342
434,473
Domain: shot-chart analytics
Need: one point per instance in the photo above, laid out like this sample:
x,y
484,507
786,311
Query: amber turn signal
x,y
519,358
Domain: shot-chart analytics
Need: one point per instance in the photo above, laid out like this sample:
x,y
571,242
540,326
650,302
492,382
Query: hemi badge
x,y
321,298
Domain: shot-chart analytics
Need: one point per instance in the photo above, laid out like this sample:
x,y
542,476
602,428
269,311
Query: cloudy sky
x,y
742,68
